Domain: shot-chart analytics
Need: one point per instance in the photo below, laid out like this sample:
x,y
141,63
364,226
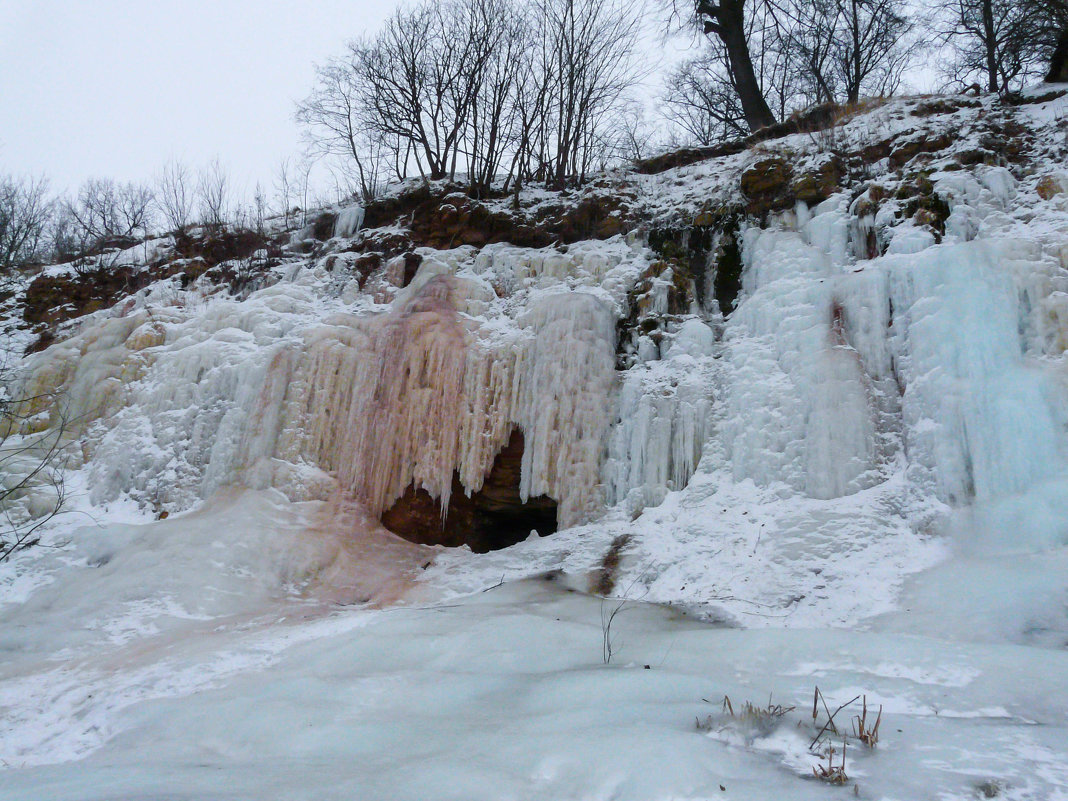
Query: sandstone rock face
x,y
905,152
815,186
493,517
447,217
766,186
772,185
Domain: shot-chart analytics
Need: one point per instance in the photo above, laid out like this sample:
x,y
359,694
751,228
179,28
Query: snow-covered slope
x,y
852,473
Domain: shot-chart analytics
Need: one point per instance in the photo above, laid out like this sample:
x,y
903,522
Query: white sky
x,y
116,87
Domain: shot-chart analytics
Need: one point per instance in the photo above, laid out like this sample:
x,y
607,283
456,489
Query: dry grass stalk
x,y
752,713
829,725
831,773
860,726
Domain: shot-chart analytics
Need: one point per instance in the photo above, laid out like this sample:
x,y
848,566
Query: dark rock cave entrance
x,y
492,518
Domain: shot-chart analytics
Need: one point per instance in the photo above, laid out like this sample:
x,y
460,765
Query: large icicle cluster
x,y
296,390
413,395
838,368
665,417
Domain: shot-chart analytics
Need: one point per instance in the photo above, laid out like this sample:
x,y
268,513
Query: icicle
x,y
566,402
664,419
349,221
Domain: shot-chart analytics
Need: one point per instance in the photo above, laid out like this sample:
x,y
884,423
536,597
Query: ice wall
x,y
799,404
298,389
936,365
841,371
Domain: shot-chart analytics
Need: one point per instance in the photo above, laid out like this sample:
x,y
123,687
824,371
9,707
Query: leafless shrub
x,y
106,212
213,194
608,616
175,195
610,608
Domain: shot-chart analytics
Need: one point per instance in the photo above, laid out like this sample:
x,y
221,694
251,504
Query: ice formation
x,y
178,402
349,221
665,417
870,448
827,376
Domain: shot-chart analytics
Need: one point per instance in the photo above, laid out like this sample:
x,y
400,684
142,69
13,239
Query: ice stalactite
x,y
566,399
412,397
664,419
349,221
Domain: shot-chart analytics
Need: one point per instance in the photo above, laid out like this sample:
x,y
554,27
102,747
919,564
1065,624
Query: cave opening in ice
x,y
494,517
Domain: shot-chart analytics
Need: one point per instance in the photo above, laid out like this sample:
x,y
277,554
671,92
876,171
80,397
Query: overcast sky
x,y
116,87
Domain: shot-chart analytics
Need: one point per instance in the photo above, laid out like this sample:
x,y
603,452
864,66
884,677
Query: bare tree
x,y
989,41
593,43
418,77
729,21
302,185
1058,60
259,208
25,213
106,213
703,102
337,122
67,241
771,57
175,195
841,50
1050,33
636,136
704,96
213,194
283,188
501,89
493,120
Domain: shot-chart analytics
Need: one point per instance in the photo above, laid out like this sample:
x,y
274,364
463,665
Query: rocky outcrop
x,y
445,216
817,118
766,186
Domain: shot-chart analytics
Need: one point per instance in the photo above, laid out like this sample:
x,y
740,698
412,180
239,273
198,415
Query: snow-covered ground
x,y
500,695
858,481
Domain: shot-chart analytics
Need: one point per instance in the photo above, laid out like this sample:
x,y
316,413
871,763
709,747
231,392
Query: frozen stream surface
x,y
226,693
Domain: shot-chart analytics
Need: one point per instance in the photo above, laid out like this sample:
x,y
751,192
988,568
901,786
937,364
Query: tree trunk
x,y
727,21
990,41
1058,64
854,87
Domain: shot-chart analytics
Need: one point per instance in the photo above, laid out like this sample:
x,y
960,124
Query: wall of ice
x,y
944,361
